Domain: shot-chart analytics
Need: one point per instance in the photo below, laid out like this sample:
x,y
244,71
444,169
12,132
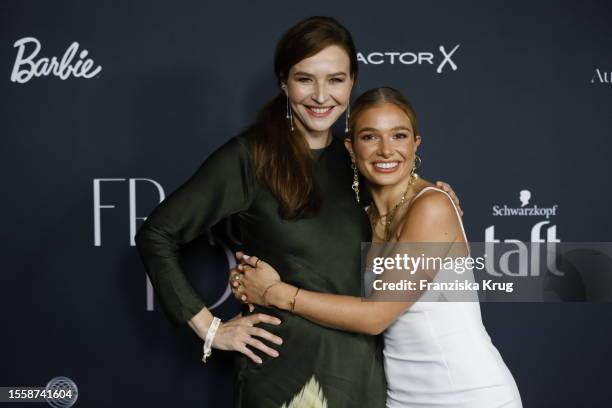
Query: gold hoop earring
x,y
355,185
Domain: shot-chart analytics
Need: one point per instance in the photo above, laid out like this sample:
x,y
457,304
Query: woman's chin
x,y
383,180
320,124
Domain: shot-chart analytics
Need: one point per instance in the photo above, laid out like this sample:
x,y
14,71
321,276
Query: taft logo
x,y
601,77
26,66
440,60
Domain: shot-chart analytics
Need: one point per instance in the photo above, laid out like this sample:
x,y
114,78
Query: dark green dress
x,y
321,253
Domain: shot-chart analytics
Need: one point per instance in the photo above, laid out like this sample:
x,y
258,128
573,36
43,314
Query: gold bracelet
x,y
292,302
263,296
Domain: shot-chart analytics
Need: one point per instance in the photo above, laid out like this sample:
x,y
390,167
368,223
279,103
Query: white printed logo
x,y
410,58
542,232
602,77
523,210
99,205
524,196
26,67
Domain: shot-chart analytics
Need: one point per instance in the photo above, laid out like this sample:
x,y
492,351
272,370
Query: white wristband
x,y
212,330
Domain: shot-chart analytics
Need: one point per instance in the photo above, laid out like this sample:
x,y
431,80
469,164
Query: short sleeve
x,y
221,186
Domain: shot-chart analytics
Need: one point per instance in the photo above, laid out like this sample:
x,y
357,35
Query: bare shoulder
x,y
431,216
431,202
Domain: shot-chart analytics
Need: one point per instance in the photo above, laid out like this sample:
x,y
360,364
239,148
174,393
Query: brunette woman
x,y
285,179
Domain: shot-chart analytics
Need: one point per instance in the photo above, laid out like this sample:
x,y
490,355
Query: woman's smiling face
x,y
319,89
384,144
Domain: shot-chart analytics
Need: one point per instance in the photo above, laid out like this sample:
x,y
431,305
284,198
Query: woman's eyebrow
x,y
368,129
402,128
311,75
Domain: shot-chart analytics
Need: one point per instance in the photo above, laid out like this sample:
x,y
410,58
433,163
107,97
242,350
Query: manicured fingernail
x,y
279,340
245,257
275,354
277,321
259,361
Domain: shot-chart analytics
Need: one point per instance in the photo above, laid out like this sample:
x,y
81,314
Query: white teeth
x,y
386,165
320,110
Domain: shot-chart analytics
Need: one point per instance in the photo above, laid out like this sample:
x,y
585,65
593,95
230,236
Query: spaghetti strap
x,y
454,206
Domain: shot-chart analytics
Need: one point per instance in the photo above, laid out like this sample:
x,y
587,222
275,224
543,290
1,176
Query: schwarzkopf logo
x,y
524,210
410,58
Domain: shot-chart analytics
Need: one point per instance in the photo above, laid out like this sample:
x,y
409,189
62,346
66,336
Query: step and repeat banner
x,y
105,109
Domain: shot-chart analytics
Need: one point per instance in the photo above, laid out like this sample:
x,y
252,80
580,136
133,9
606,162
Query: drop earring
x,y
413,173
355,185
347,117
289,114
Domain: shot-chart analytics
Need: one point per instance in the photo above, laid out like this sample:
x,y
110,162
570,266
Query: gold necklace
x,y
391,214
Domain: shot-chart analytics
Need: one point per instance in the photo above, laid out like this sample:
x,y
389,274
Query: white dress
x,y
439,355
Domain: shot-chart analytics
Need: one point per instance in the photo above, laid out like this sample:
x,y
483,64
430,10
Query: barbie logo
x,y
27,67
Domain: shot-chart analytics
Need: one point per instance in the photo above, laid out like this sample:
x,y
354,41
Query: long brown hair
x,y
378,96
282,157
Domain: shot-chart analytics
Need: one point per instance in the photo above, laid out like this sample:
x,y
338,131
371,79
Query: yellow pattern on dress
x,y
310,396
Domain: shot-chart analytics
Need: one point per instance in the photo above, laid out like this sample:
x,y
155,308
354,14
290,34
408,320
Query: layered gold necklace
x,y
375,217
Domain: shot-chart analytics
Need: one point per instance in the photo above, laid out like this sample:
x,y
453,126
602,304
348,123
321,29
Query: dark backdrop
x,y
527,107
